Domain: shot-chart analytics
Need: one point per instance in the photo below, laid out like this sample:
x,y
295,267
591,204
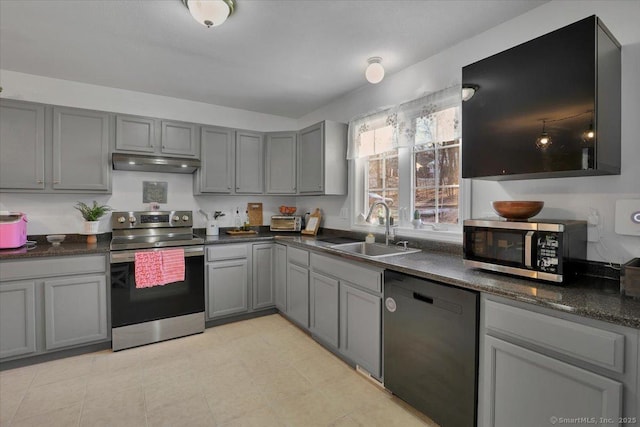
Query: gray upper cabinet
x,y
263,276
22,133
217,153
280,163
249,163
80,150
147,135
135,133
17,318
75,310
53,149
179,139
322,164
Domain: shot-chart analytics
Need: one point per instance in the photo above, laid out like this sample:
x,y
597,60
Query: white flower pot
x,y
91,227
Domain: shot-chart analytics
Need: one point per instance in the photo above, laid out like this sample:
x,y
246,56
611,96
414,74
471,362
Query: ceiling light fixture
x,y
544,140
468,91
589,134
210,13
375,71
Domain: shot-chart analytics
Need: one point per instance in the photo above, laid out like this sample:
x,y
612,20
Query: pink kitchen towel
x,y
172,265
148,269
156,268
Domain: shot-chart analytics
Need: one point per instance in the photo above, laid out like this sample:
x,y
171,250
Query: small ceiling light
x,y
183,166
210,13
468,91
544,140
375,70
132,162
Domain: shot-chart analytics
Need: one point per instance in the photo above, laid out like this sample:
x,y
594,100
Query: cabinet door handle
x,y
56,182
40,181
423,298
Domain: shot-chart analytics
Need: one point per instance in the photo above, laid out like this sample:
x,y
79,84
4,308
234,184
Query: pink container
x,y
13,230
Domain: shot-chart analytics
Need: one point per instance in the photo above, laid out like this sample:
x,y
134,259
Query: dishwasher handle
x,y
422,298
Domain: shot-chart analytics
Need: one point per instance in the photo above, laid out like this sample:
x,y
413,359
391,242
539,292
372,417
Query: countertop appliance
x,y
286,223
537,249
150,314
13,230
431,347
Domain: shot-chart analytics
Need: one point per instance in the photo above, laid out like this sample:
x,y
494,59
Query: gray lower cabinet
x,y
528,376
280,163
280,277
249,173
52,303
324,307
361,328
80,150
75,310
227,287
263,276
17,318
298,294
529,389
22,132
53,149
217,154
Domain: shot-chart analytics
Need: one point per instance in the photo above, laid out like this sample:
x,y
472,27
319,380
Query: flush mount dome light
x,y
375,71
210,13
468,91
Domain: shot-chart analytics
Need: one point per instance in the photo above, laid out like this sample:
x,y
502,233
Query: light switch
x,y
628,217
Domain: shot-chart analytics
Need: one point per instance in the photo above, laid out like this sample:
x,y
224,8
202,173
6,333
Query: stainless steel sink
x,y
373,250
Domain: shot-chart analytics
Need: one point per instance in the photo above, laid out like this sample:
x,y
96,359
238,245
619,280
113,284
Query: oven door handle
x,y
130,256
528,249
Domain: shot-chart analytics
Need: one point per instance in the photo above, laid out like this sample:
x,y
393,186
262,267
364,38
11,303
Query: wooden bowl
x,y
514,210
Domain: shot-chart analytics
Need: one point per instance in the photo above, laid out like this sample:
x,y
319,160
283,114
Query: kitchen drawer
x,y
582,342
298,256
222,252
366,278
50,267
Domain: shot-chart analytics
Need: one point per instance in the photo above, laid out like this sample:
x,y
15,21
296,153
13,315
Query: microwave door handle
x,y
528,249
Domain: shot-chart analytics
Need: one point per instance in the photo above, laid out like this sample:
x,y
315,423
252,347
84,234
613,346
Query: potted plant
x,y
92,215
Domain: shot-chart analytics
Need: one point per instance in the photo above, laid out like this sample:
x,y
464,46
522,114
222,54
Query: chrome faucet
x,y
386,219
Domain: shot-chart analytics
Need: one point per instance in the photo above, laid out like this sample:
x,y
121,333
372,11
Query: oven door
x,y
131,305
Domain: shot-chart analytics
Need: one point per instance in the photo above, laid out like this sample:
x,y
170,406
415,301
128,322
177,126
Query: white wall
x,y
570,198
55,214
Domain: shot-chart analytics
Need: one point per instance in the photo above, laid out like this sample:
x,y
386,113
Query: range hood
x,y
150,163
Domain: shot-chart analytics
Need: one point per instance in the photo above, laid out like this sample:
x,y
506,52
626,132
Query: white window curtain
x,y
431,119
373,133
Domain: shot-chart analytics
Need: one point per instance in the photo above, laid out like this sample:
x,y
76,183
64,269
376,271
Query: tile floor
x,y
259,372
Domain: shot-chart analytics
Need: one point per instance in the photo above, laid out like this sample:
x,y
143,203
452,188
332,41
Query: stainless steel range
x,y
155,311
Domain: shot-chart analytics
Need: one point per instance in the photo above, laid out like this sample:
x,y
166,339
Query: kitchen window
x,y
409,157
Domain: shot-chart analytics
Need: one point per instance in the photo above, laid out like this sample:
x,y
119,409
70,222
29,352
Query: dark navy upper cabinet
x,y
563,86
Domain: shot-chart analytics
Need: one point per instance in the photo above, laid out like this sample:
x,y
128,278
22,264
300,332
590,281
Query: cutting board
x,y
255,213
241,232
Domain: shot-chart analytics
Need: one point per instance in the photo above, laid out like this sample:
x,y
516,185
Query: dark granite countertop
x,y
73,245
592,297
596,298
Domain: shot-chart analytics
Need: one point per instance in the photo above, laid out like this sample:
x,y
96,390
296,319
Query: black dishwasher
x,y
431,347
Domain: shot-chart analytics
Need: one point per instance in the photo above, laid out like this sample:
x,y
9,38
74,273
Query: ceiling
x,y
286,58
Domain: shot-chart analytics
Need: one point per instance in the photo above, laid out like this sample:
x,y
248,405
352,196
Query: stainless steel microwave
x,y
286,223
545,250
